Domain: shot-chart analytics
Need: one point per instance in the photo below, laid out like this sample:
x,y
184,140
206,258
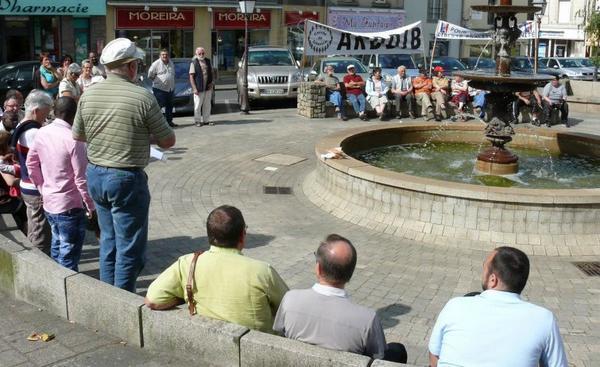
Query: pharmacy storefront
x,y
59,27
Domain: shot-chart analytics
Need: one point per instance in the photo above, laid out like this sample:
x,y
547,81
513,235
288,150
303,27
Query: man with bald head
x,y
201,79
324,316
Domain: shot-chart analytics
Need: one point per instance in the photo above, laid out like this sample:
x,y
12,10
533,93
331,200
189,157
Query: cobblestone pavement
x,y
408,282
73,344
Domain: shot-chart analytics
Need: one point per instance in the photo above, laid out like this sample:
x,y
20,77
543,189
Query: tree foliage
x,y
592,29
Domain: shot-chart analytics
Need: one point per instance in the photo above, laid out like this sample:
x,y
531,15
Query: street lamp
x,y
538,15
246,8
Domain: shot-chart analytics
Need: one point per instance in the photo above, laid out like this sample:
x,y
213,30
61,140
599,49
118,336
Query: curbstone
x,y
201,339
261,349
382,363
101,306
40,281
8,249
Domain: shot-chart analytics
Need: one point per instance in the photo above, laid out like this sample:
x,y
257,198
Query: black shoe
x,y
344,118
172,124
566,123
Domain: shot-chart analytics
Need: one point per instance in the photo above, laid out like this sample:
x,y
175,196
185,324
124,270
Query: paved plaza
x,y
406,281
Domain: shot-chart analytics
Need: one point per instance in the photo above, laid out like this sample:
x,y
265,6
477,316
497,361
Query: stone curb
x,y
30,276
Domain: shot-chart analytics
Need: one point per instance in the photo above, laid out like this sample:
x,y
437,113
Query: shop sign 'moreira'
x,y
57,7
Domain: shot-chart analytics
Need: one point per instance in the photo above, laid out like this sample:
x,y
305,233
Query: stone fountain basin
x,y
516,82
539,221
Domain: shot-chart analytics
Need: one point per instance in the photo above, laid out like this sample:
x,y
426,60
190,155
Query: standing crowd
x,y
88,162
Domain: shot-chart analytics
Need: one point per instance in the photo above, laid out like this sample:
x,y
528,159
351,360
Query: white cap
x,y
120,51
350,67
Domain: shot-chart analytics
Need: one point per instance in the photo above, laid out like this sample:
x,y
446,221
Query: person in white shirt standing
x,y
201,79
162,74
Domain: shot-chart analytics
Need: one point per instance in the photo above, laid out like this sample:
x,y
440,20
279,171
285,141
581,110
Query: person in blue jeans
x,y
333,91
119,120
56,164
354,91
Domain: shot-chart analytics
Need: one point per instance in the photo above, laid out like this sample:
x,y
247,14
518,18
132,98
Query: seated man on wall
x,y
497,327
333,91
441,89
402,89
528,98
228,285
324,316
555,96
422,86
354,84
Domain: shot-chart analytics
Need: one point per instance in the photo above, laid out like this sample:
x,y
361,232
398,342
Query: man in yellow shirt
x,y
228,285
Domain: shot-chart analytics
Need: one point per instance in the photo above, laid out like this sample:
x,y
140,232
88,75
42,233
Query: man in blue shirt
x,y
497,328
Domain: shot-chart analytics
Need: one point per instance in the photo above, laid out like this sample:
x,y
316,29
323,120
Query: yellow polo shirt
x,y
229,287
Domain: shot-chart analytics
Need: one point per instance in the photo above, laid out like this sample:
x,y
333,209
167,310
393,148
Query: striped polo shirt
x,y
117,118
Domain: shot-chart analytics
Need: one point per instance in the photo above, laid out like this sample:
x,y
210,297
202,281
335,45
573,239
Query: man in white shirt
x,y
162,74
496,327
403,91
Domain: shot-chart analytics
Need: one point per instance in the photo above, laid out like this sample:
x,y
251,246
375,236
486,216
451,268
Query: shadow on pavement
x,y
241,121
389,314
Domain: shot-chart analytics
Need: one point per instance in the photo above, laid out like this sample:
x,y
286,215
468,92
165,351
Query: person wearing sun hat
x,y
441,89
354,84
119,120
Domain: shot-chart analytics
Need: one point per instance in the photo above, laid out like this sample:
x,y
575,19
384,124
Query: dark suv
x,y
18,75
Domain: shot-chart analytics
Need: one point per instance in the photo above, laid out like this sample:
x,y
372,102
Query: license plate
x,y
274,91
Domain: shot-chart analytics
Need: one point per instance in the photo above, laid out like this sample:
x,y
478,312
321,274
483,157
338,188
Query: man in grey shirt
x,y
162,74
333,91
555,96
324,316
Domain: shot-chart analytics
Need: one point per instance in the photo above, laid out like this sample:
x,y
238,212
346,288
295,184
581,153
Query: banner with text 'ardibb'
x,y
325,40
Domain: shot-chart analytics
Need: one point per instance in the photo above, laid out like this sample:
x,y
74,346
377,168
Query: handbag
x,y
189,287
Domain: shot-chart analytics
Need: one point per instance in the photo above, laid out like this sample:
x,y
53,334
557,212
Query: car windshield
x,y
523,64
270,58
339,66
394,61
585,62
448,64
182,70
570,63
485,63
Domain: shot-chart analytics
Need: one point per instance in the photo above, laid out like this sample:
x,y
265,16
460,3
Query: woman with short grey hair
x,y
68,86
85,79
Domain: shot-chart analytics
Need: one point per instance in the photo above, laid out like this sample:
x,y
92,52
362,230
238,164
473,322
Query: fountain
x,y
460,208
497,160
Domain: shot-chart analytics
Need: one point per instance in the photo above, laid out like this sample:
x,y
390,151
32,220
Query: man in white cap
x,y
354,91
119,120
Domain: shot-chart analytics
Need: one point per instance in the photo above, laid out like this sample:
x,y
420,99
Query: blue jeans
x,y
335,97
122,201
358,102
165,99
68,234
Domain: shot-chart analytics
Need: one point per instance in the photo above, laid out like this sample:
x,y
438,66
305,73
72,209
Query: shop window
x,y
436,10
46,36
178,43
81,29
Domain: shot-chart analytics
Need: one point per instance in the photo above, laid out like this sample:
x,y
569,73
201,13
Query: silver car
x,y
340,67
272,74
567,67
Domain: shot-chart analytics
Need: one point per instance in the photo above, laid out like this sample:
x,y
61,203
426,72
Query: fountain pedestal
x,y
497,160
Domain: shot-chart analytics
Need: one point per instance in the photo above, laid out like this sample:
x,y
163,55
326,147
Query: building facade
x,y
561,31
429,12
59,27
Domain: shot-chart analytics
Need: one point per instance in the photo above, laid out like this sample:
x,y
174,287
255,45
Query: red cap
x,y
438,69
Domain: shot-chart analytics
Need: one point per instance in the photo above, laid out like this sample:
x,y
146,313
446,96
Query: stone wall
x,y
311,100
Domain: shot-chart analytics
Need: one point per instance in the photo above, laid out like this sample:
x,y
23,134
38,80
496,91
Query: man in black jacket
x,y
201,79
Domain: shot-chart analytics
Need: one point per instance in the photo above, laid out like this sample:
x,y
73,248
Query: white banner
x,y
445,30
325,40
364,20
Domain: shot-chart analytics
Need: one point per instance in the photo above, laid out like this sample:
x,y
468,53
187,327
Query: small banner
x,y
325,40
445,30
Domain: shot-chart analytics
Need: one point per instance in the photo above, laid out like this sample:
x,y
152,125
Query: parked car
x,y
474,63
524,64
569,68
183,97
450,64
18,75
389,63
340,64
272,74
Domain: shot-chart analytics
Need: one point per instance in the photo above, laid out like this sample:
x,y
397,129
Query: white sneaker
x,y
198,124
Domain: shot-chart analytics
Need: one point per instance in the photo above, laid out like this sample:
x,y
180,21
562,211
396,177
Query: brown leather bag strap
x,y
189,287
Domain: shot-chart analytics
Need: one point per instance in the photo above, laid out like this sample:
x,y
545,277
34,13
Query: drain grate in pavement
x,y
277,190
590,268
